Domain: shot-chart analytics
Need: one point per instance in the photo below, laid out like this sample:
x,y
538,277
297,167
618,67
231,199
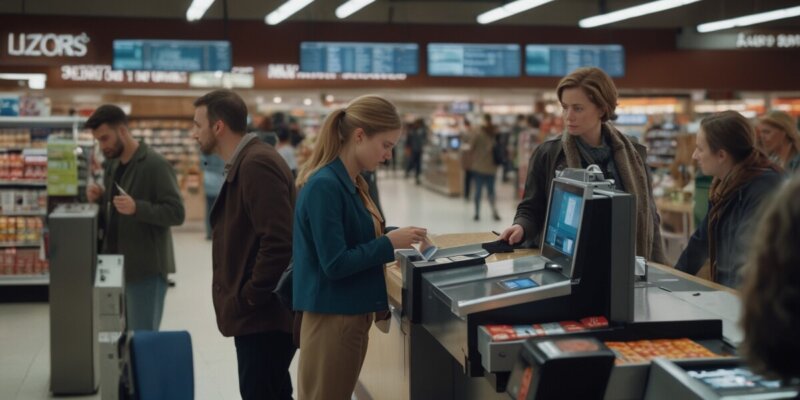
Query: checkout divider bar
x,y
466,307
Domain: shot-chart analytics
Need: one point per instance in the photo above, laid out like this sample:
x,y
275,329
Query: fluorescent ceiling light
x,y
347,9
749,19
286,10
633,12
197,9
35,81
515,7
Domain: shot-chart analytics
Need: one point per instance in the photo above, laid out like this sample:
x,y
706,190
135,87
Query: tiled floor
x,y
24,328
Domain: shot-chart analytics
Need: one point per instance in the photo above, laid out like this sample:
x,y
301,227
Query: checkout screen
x,y
733,380
564,220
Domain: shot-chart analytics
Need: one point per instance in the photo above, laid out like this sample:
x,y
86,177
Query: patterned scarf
x,y
601,156
724,190
633,176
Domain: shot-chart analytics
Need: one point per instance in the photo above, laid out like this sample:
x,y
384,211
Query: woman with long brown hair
x,y
771,289
339,246
589,100
742,178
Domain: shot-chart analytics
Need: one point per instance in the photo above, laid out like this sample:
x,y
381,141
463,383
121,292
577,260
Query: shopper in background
x,y
140,201
771,289
295,133
286,150
340,246
484,165
778,137
743,177
589,98
415,142
466,156
252,245
266,131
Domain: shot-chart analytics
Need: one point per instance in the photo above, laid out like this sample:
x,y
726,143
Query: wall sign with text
x,y
46,45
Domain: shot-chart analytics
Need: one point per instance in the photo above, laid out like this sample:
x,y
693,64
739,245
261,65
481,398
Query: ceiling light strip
x,y
197,9
286,10
349,8
515,7
633,12
749,19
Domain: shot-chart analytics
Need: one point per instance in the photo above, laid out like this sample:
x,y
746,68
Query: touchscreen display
x,y
517,284
564,221
733,379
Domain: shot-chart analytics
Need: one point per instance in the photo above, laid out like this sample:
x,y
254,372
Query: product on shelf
x,y
24,138
27,166
23,200
16,230
22,262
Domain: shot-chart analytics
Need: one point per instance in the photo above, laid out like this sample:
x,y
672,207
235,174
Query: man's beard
x,y
208,147
116,151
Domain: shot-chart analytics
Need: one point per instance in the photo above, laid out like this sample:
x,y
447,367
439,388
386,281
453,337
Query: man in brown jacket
x,y
252,245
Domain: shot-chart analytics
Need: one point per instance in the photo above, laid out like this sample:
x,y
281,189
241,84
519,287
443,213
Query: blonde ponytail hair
x,y
373,114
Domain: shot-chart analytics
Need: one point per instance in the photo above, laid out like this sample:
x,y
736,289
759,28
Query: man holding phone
x,y
139,202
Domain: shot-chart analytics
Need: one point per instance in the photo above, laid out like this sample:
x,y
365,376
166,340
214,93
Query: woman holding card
x,y
340,246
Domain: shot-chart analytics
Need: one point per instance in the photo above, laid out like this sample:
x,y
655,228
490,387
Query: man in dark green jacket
x,y
139,202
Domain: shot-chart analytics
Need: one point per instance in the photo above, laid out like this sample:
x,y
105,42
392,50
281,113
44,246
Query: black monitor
x,y
360,57
473,60
172,55
563,224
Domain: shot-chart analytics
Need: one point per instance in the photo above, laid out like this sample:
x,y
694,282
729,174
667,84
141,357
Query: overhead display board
x,y
560,60
474,60
359,57
172,55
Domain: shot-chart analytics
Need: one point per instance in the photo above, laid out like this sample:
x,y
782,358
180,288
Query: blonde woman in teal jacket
x,y
339,247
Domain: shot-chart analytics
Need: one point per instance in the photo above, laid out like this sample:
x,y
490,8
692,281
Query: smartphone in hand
x,y
121,190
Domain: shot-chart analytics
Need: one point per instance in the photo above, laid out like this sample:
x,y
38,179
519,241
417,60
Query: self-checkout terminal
x,y
586,268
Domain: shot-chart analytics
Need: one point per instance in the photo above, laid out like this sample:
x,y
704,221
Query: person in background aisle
x,y
213,169
252,245
286,150
266,131
415,142
484,166
139,202
588,99
779,139
743,177
340,247
771,289
508,142
295,132
466,156
520,126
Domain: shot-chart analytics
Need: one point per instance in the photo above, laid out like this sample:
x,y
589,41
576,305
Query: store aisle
x,y
24,328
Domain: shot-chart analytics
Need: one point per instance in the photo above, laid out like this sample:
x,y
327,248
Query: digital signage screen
x,y
356,57
172,55
560,60
473,60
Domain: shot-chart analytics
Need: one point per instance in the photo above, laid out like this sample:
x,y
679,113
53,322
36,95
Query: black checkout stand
x,y
585,269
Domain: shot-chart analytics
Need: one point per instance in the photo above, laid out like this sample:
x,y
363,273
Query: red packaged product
x,y
595,322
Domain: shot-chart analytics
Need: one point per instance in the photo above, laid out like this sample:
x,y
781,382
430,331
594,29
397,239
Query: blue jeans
x,y
482,180
145,303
